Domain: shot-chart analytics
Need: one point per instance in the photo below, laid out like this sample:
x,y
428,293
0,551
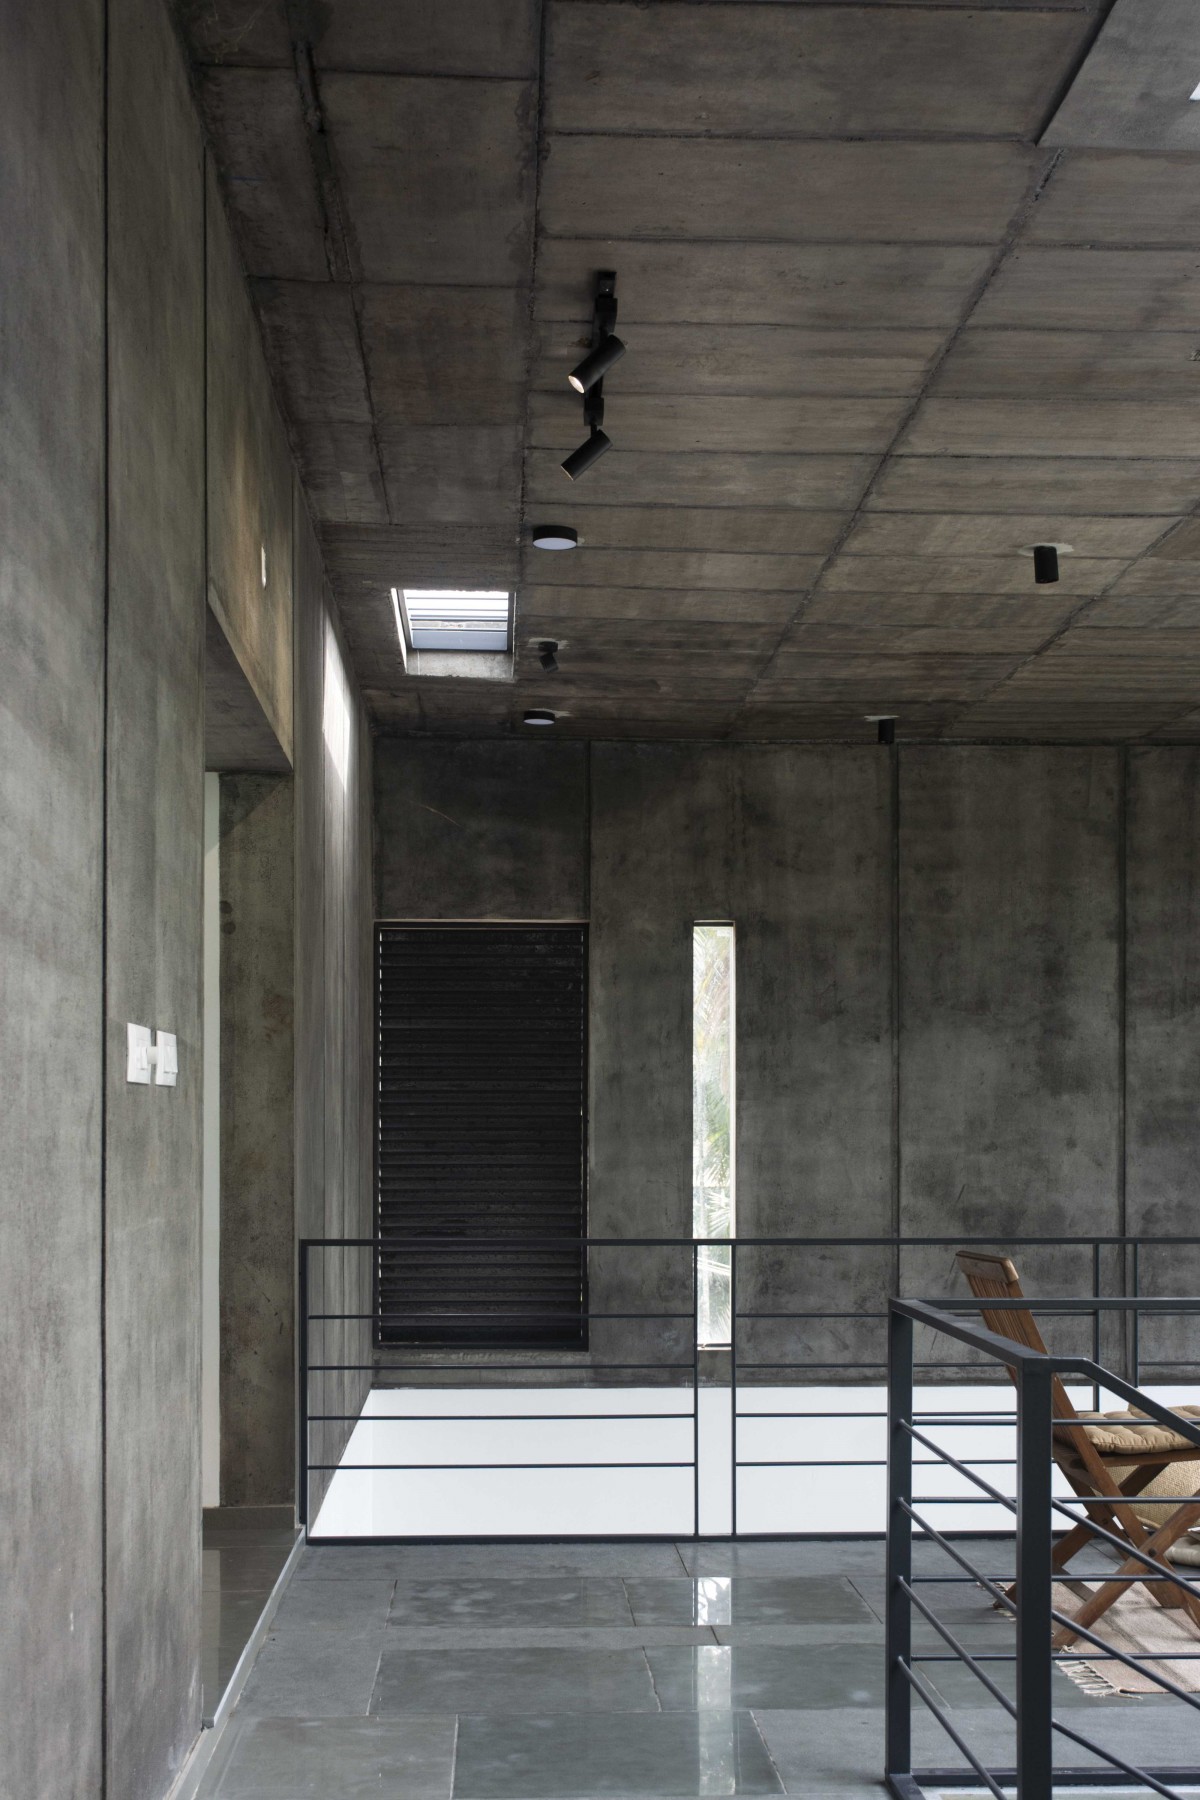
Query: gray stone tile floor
x,y
622,1672
243,1551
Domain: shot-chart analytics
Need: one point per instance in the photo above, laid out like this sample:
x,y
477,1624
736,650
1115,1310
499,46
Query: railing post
x,y
898,1628
302,1409
1035,1732
733,1389
695,1389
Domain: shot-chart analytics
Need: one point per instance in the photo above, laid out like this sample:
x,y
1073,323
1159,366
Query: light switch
x,y
137,1065
166,1063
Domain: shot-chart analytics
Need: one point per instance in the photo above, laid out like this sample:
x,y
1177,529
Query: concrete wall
x,y
967,994
127,346
154,758
334,1123
257,1259
249,486
52,588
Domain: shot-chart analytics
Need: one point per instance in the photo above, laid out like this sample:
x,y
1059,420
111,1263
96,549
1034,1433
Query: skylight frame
x,y
455,620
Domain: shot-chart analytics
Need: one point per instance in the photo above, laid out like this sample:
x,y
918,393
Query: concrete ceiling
x,y
907,286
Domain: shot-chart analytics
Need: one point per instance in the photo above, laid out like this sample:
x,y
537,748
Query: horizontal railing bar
x,y
882,1242
1063,1777
956,1421
523,1368
1118,1762
1066,1309
1126,1548
345,1468
963,1500
1068,1306
1066,1656
984,1581
1060,1618
961,1468
866,1462
442,1318
485,1418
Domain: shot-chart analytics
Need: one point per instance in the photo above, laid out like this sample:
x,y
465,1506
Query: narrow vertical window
x,y
713,1097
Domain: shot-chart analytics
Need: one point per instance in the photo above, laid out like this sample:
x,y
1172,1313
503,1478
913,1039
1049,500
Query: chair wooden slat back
x,y
992,1277
1107,1502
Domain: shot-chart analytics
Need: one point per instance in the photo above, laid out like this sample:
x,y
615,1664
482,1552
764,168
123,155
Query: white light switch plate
x,y
137,1066
166,1066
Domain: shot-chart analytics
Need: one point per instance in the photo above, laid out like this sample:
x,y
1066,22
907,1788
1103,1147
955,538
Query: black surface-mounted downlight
x,y
548,656
555,537
596,364
538,715
1045,564
589,452
887,731
588,378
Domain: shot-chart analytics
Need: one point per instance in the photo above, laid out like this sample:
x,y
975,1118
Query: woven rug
x,y
1139,1626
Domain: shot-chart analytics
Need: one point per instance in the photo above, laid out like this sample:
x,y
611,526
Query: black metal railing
x,y
805,1314
1025,1589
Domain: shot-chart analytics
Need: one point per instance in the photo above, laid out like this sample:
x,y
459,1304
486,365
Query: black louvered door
x,y
482,1083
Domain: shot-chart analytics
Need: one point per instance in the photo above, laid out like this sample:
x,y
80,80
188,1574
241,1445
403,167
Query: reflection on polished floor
x,y
559,1671
244,1550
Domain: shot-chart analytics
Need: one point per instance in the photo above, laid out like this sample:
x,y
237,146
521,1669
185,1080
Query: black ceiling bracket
x,y
588,377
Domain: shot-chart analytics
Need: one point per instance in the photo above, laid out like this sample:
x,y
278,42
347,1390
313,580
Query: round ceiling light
x,y
538,716
555,537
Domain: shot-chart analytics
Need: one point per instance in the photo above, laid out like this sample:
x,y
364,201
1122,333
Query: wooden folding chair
x,y
1084,1448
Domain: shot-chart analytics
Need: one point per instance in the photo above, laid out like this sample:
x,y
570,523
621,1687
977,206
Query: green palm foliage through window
x,y
712,1121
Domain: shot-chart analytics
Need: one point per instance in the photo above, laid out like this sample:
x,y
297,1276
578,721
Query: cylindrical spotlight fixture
x,y
887,731
538,715
548,656
596,364
1045,563
589,452
555,537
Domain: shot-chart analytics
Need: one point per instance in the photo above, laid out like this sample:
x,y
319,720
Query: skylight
x,y
456,618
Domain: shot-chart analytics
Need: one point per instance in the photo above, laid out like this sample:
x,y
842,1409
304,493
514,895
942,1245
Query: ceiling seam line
x,y
531,334
1086,605
1033,192
341,247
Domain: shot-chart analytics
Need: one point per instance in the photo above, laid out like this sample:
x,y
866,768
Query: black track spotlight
x,y
1045,564
548,656
596,364
555,537
589,452
887,731
538,715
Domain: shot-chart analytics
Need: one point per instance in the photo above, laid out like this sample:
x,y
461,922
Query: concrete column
x,y
257,1141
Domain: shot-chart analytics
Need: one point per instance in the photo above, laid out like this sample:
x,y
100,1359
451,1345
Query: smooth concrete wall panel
x,y
360,1052
334,949
257,1287
155,763
102,595
249,485
814,999
814,1044
1162,1035
311,1076
310,898
1009,1000
481,831
662,857
51,812
932,989
329,1340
